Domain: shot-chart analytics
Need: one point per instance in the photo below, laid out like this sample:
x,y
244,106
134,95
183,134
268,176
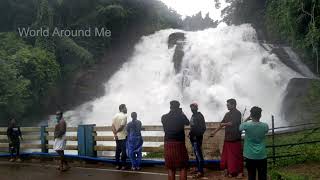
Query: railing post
x,y
90,141
43,138
273,148
86,140
81,140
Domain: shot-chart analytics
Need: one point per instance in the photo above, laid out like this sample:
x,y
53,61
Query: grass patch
x,y
304,152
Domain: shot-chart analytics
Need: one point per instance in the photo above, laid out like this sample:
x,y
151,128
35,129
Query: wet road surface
x,y
27,171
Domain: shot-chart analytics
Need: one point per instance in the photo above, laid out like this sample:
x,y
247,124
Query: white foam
x,y
219,64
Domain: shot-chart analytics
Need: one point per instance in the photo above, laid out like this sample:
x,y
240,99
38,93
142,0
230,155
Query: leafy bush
x,y
27,75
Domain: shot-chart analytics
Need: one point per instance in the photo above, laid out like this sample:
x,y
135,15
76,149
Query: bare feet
x,y
198,175
240,176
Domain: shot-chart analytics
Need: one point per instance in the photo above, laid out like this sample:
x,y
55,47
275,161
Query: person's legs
x,y
131,155
262,169
11,150
123,153
200,154
118,152
139,158
235,158
17,147
224,158
183,174
65,162
251,168
241,160
171,174
199,157
61,154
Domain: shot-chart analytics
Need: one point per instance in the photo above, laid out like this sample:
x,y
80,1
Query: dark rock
x,y
177,39
295,106
292,60
174,38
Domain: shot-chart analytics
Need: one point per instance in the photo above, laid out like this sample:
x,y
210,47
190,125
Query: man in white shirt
x,y
119,124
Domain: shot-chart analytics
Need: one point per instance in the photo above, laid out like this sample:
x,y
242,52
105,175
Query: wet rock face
x,y
174,38
295,107
177,39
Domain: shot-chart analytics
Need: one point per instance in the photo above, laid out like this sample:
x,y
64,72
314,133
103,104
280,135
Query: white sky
x,y
191,7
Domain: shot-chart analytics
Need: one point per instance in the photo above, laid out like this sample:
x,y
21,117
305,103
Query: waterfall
x,y
218,64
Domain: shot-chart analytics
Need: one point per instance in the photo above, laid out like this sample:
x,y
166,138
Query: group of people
x,y
129,141
233,155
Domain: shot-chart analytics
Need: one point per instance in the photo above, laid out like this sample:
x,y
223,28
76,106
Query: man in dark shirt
x,y
175,151
231,158
197,129
14,135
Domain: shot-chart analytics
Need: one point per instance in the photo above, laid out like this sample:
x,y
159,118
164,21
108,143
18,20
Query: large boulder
x,y
301,102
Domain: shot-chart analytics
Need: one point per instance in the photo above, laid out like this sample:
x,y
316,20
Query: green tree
x,y
14,94
44,21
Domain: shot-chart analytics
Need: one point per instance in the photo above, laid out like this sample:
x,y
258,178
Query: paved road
x,y
45,171
28,171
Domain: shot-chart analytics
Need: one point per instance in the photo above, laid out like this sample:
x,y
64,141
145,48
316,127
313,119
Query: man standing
x,y
60,140
119,123
255,152
14,136
175,151
197,129
231,158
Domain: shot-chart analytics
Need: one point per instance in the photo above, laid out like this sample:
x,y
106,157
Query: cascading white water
x,y
218,64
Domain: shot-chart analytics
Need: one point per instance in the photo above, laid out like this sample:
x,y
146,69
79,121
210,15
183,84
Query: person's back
x,y
173,125
134,142
197,125
175,151
254,142
134,128
120,119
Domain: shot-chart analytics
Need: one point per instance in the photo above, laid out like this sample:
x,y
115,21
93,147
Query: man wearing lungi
x,y
175,151
60,140
231,158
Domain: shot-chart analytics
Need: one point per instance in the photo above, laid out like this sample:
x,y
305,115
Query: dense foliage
x,y
27,73
32,67
297,22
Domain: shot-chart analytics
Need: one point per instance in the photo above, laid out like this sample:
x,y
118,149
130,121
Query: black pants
x,y
14,147
121,150
256,165
196,143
